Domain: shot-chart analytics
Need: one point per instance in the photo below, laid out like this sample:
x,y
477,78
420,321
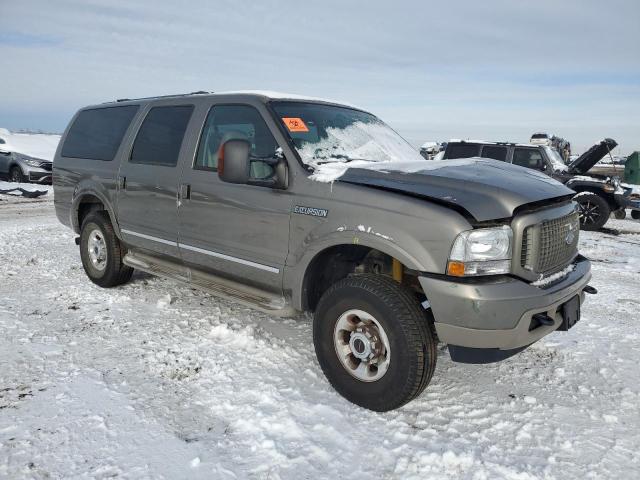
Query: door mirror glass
x,y
234,165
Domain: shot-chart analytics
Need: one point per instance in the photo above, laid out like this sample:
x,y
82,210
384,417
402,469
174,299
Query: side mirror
x,y
233,162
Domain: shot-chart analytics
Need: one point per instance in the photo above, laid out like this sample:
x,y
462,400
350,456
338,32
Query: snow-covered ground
x,y
38,145
156,380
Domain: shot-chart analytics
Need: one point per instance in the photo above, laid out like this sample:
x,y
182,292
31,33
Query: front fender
x,y
297,265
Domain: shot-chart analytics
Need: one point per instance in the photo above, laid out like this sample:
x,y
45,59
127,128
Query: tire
x,y
103,265
635,214
16,175
404,327
594,211
620,214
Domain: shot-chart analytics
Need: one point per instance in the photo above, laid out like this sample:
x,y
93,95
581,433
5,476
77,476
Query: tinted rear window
x,y
495,152
96,134
160,136
462,150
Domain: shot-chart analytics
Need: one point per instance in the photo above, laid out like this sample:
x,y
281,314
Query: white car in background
x,y
540,138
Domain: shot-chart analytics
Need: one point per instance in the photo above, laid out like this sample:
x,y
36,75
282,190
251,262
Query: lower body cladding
x,y
487,321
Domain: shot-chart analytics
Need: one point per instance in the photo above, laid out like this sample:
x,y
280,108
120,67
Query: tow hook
x,y
590,290
544,319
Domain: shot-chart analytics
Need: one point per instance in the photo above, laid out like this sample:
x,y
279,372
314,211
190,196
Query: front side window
x,y
236,122
495,152
160,137
529,158
463,150
328,134
96,134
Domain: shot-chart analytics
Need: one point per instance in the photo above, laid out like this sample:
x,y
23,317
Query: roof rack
x,y
199,92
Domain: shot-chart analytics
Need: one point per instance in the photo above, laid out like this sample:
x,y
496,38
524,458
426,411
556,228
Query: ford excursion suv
x,y
289,204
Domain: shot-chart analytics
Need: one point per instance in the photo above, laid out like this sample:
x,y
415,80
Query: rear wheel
x,y
102,252
15,175
593,209
374,342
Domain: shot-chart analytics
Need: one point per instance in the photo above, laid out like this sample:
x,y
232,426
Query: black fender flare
x,y
81,193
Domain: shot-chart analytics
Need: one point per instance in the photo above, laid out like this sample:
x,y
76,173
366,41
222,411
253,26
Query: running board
x,y
213,284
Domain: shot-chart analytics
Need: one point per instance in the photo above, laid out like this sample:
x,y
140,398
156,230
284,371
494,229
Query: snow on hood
x,y
37,145
329,172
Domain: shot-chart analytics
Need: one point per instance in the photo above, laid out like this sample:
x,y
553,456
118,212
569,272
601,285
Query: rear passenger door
x,y
236,231
149,176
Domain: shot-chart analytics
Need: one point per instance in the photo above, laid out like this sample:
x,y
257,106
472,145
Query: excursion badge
x,y
314,212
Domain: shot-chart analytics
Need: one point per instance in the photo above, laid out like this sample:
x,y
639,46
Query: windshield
x,y
540,135
331,134
556,159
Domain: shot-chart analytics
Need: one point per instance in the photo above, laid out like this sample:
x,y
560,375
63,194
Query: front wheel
x,y
594,211
635,214
16,175
374,342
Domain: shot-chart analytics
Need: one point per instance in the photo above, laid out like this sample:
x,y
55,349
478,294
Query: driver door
x,y
236,231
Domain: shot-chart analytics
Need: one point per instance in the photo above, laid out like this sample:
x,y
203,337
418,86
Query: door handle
x,y
122,182
185,191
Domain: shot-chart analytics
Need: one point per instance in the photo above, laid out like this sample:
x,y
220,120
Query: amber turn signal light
x,y
455,269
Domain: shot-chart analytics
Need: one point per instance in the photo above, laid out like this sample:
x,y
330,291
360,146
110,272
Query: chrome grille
x,y
551,244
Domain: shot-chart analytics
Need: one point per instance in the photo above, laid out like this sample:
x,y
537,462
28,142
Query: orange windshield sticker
x,y
295,124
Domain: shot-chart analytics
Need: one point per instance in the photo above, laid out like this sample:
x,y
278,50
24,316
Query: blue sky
x,y
496,70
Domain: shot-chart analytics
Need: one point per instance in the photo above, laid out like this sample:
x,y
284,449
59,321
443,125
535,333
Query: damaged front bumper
x,y
487,320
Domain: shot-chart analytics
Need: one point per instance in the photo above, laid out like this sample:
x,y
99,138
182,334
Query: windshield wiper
x,y
344,159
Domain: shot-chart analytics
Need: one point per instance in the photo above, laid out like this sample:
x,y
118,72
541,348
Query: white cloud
x,y
493,69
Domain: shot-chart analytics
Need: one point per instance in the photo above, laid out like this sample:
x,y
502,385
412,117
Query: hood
x,y
22,156
486,189
588,159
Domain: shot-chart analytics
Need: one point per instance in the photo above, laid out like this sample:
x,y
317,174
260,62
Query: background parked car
x,y
597,196
540,138
27,157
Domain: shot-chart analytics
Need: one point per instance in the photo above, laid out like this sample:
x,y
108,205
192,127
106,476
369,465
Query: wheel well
x,y
88,204
336,263
15,165
607,197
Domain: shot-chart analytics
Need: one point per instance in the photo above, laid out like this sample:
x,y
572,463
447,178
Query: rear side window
x,y
160,136
96,134
495,152
463,150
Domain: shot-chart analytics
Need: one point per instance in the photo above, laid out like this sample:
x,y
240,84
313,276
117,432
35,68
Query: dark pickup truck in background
x,y
597,195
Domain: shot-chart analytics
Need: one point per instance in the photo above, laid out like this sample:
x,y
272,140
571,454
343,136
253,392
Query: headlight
x,y
32,163
485,251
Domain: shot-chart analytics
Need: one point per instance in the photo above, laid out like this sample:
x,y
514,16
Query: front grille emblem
x,y
570,237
